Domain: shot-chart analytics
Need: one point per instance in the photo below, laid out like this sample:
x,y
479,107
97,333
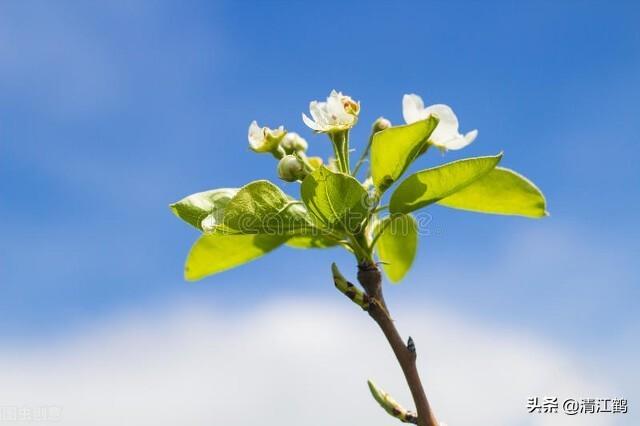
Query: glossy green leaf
x,y
395,148
309,242
213,253
262,208
338,201
207,205
397,245
431,185
501,191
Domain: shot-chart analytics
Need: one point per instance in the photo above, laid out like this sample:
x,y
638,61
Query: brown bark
x,y
371,280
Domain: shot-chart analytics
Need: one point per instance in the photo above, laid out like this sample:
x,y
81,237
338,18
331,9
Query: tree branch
x,y
371,280
351,291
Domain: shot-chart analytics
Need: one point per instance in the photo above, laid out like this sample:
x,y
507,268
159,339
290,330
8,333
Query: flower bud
x,y
209,223
380,124
291,168
264,139
293,142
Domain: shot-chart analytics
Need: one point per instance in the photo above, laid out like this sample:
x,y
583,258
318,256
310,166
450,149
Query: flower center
x,y
350,106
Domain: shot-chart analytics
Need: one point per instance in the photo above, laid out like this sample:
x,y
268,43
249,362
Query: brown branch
x,y
371,280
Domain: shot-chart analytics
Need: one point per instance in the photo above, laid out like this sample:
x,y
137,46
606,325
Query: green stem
x,y
381,208
359,245
378,234
373,210
303,157
341,149
364,154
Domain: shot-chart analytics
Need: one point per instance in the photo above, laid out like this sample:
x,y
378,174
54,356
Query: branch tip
x,y
356,295
390,405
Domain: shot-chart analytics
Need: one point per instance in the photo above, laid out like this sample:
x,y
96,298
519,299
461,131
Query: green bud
x,y
391,406
291,168
380,124
293,142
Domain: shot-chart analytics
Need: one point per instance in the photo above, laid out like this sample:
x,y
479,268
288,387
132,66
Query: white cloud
x,y
289,363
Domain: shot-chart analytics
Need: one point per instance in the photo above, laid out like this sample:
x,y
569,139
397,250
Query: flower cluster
x,y
335,117
374,216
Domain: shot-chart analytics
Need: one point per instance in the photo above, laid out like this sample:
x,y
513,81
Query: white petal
x,y
336,112
310,123
445,115
256,135
456,143
317,110
254,129
413,108
447,128
471,136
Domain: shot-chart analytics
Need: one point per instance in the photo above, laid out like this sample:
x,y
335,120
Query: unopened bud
x,y
291,168
209,223
380,124
293,142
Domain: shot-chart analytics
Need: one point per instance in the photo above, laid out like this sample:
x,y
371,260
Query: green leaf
x,y
262,208
397,245
395,148
213,253
308,242
208,205
501,191
431,185
338,201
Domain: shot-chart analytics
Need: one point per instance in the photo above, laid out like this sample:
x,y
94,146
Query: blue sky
x,y
112,110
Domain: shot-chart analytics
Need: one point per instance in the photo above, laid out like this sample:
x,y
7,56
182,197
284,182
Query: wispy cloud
x,y
289,363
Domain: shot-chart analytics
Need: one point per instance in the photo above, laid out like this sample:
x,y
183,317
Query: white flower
x,y
293,142
264,139
446,135
340,112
